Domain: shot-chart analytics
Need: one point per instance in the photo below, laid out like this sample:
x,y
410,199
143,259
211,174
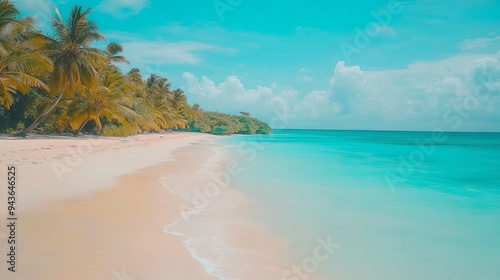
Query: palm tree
x,y
109,101
114,49
75,60
149,116
172,118
157,86
178,100
193,113
135,77
8,13
21,55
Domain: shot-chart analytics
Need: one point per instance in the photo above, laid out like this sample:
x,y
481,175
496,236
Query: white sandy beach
x,y
102,220
94,208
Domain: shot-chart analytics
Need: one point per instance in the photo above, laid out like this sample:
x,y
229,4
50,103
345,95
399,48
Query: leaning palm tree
x,y
21,55
110,101
75,60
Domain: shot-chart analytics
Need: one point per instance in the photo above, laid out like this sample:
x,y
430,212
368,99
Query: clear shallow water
x,y
401,205
214,220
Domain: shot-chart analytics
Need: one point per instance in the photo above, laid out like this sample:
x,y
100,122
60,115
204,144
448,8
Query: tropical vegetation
x,y
223,124
63,83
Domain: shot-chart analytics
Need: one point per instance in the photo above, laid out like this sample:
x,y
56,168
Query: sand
x,y
99,208
105,219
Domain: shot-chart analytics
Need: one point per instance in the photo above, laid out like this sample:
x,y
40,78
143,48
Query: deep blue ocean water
x,y
399,205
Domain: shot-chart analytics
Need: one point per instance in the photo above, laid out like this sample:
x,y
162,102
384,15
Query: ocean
x,y
365,205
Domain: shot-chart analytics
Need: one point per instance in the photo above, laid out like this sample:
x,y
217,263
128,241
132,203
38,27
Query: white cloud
x,y
143,52
262,101
122,8
342,71
471,44
421,93
317,104
151,52
40,10
34,5
155,55
417,97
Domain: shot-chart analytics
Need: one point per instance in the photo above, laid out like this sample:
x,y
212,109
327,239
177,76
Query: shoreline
x,y
217,220
103,227
127,221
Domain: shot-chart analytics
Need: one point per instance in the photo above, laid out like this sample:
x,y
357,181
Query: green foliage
x,y
62,84
19,127
10,118
118,130
224,124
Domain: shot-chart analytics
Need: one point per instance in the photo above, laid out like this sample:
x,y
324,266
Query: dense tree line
x,y
63,83
223,124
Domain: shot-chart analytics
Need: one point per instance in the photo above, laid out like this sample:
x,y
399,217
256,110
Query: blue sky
x,y
407,65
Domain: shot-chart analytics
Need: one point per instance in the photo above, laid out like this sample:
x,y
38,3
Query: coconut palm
x,y
193,113
8,13
110,101
178,100
150,114
149,117
75,60
114,49
21,55
172,118
157,86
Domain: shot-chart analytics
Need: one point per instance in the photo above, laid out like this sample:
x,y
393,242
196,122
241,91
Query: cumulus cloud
x,y
422,96
347,85
122,8
231,95
423,92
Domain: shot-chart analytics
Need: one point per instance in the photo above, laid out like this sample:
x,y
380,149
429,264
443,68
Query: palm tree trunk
x,y
81,127
40,118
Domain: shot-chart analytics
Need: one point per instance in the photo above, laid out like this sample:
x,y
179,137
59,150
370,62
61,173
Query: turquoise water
x,y
398,205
